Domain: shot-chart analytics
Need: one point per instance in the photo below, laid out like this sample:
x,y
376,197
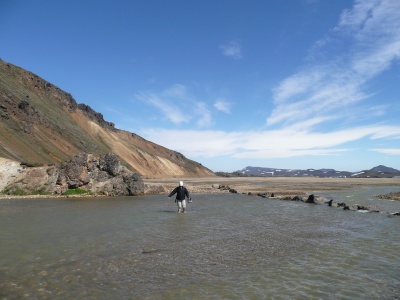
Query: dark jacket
x,y
181,192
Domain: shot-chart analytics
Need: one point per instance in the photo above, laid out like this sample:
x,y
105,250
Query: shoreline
x,y
276,185
280,186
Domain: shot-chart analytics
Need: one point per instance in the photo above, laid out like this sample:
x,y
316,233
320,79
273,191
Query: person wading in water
x,y
181,193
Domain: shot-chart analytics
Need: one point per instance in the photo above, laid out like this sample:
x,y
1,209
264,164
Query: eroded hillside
x,y
40,124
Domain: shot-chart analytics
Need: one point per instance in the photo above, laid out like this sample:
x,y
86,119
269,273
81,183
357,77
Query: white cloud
x,y
286,153
205,143
223,106
391,151
232,49
287,142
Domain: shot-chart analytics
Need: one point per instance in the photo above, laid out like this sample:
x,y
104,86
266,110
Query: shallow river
x,y
226,247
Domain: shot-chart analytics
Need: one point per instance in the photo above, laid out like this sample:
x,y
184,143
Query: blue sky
x,y
271,83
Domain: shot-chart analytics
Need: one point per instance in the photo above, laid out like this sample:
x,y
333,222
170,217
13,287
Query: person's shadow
x,y
168,211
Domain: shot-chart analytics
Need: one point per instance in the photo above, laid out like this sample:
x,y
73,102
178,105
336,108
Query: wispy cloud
x,y
371,29
205,119
178,106
223,106
391,151
168,102
232,49
286,142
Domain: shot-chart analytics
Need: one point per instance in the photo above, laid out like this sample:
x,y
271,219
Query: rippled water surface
x,y
226,247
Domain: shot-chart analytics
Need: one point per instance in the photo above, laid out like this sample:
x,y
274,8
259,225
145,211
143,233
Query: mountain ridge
x,y
41,124
378,171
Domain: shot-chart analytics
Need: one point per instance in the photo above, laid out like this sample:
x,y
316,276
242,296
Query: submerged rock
x,y
297,198
311,199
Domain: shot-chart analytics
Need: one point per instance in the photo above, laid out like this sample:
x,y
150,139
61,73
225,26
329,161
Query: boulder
x,y
133,183
224,187
73,184
75,170
264,195
310,199
23,105
353,207
374,209
356,207
110,163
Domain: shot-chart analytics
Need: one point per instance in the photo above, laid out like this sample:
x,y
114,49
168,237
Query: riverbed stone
x,y
224,187
311,199
264,195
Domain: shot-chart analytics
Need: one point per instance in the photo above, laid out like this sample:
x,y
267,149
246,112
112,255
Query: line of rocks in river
x,y
313,199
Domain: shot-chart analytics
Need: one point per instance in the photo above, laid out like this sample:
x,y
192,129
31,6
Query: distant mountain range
x,y
376,172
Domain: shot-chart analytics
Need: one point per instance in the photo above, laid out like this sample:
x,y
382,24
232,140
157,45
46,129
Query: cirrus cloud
x,y
232,49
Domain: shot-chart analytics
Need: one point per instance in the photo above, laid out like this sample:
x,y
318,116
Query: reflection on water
x,y
226,247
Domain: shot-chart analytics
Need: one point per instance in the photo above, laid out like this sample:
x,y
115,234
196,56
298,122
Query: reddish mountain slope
x,y
40,124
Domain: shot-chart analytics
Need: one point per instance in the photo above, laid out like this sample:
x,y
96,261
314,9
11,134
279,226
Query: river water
x,y
227,246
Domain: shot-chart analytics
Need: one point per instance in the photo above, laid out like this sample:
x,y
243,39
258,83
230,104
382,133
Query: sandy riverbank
x,y
276,185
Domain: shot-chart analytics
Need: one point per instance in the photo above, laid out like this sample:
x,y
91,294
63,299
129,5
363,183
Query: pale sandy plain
x,y
280,186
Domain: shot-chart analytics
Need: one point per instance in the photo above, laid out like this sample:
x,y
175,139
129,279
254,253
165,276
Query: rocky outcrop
x,y
99,175
96,116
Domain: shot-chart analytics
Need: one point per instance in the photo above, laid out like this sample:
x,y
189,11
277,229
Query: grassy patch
x,y
19,192
5,191
41,191
76,191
